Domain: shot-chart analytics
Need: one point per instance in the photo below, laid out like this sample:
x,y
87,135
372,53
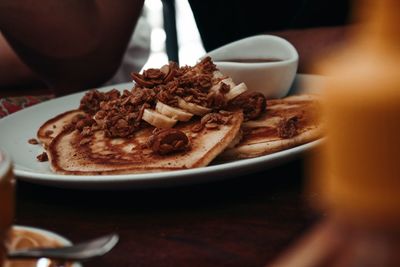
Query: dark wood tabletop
x,y
244,221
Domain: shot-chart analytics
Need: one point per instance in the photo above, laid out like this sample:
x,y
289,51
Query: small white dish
x,y
265,63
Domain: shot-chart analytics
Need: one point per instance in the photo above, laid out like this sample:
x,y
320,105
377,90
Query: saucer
x,y
26,237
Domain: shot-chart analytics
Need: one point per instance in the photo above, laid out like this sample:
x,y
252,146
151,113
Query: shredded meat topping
x,y
166,141
288,127
216,101
253,104
121,117
83,122
119,126
153,77
166,95
170,71
153,74
90,103
207,65
120,114
205,81
224,88
212,121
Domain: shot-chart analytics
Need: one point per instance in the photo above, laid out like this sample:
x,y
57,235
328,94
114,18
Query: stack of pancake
x,y
188,117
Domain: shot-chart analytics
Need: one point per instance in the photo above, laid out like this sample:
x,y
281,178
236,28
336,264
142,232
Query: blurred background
x,y
189,43
148,45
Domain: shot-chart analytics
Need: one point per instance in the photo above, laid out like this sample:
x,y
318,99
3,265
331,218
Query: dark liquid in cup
x,y
251,60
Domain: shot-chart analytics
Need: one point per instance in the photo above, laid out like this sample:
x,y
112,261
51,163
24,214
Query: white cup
x,y
7,185
245,61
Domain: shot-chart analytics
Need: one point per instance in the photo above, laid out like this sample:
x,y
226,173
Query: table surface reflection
x,y
245,221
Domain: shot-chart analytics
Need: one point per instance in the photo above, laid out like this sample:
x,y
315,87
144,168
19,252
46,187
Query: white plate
x,y
48,234
16,129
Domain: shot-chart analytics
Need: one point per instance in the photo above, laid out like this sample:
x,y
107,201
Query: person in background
x,y
14,72
312,26
74,45
136,54
70,44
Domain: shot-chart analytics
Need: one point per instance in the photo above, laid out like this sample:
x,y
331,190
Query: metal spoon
x,y
79,252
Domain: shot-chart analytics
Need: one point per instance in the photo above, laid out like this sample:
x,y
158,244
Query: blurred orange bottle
x,y
357,171
361,178
359,175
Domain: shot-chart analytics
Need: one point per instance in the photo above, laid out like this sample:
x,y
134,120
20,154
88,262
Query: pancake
x,y
287,122
72,153
56,125
174,118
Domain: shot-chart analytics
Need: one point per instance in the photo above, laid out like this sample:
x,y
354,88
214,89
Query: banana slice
x,y
227,81
218,74
158,120
262,122
235,91
193,108
174,113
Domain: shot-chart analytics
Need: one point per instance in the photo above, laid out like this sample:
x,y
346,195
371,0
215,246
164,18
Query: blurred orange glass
x,y
359,175
357,172
6,202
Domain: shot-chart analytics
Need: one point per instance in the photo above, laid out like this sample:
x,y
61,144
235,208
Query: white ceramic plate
x,y
18,128
50,235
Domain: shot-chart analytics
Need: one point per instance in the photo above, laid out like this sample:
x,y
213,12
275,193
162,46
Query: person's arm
x,y
13,71
313,44
71,44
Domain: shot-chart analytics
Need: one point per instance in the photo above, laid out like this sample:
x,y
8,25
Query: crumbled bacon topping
x,y
216,100
253,104
167,141
224,88
42,157
288,127
90,103
120,114
205,81
207,65
153,74
153,77
84,122
212,121
119,126
33,141
121,117
167,96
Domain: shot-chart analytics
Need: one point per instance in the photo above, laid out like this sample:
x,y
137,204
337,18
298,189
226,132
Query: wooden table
x,y
245,221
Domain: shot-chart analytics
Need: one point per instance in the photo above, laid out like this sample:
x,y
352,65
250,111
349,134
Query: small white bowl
x,y
273,78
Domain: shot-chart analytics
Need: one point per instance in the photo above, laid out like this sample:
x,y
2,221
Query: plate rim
x,y
210,168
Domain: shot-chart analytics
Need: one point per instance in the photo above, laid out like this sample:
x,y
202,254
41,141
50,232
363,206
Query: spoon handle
x,y
82,251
